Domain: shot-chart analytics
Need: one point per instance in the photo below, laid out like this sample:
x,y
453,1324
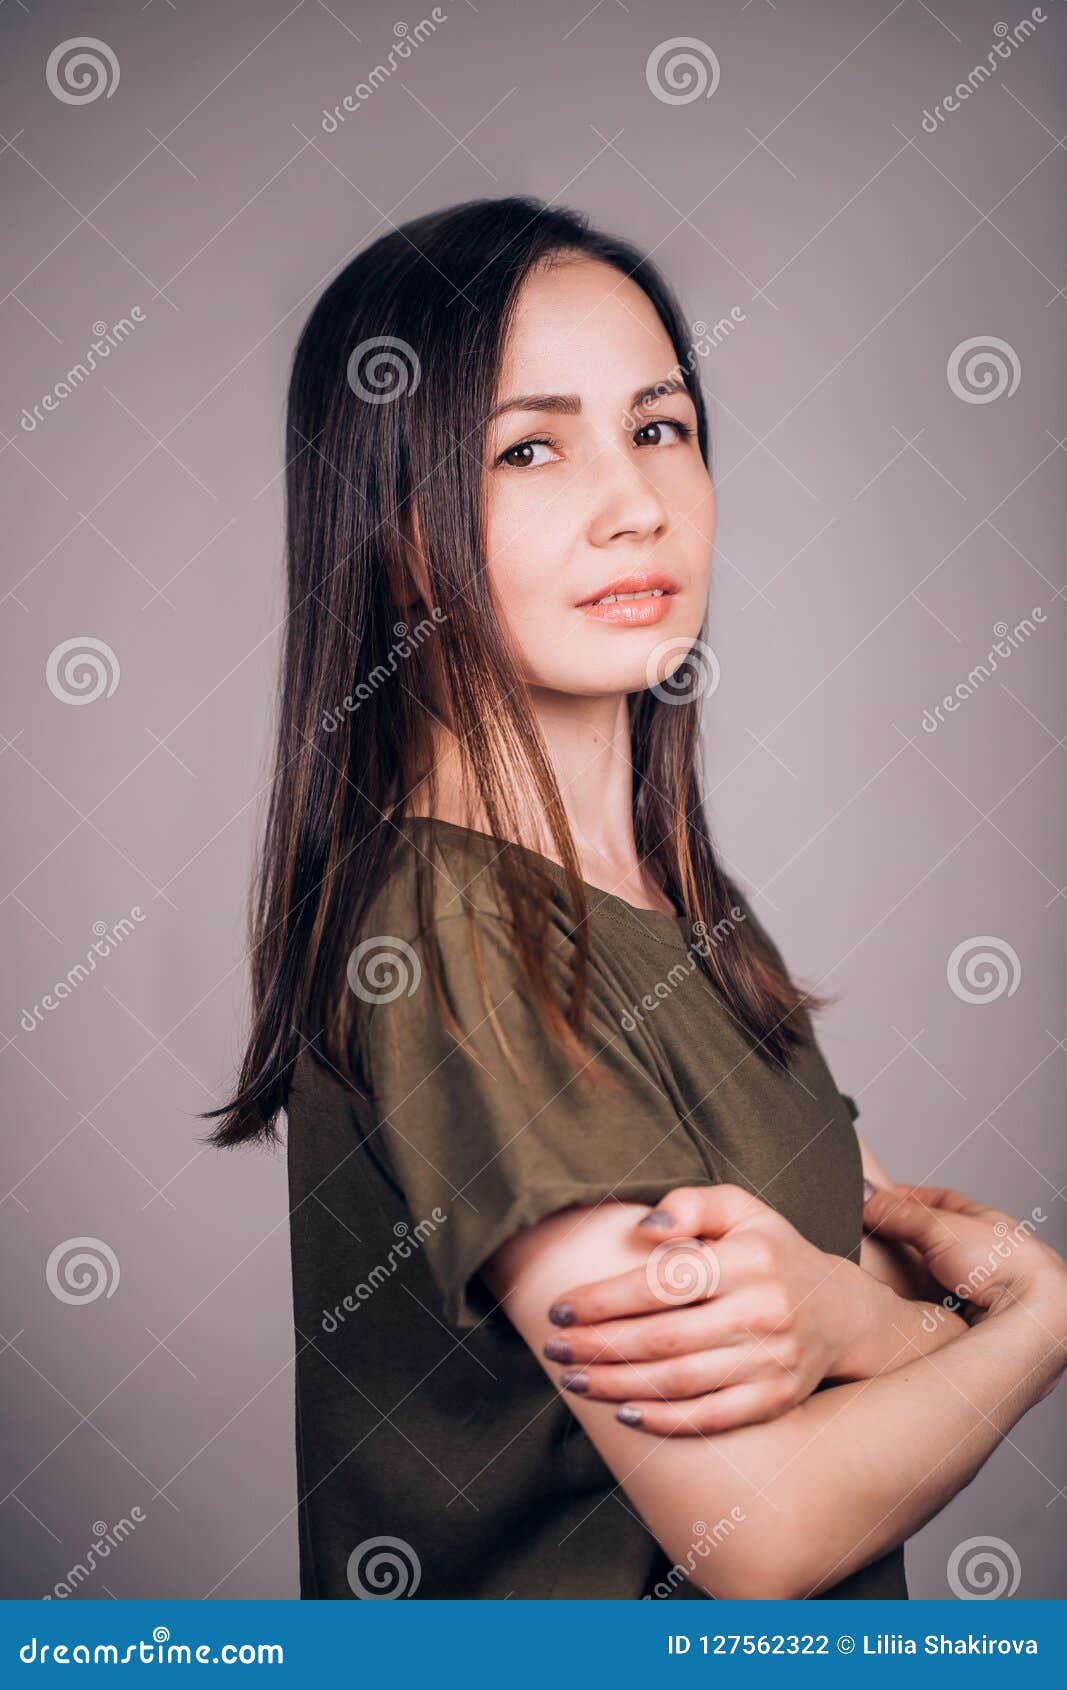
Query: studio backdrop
x,y
860,205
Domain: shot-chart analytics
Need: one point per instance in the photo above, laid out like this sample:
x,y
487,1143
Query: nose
x,y
626,503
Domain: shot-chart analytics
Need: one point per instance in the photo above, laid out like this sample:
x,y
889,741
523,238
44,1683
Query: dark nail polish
x,y
561,1314
661,1219
629,1416
558,1349
576,1382
868,1190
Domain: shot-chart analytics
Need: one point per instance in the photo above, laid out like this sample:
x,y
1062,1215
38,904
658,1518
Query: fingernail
x,y
629,1416
868,1190
576,1382
558,1349
659,1218
561,1314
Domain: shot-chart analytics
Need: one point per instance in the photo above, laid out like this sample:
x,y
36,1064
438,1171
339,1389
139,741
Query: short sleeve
x,y
481,1151
851,1105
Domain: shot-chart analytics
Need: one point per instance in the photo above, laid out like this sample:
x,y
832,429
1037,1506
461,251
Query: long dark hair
x,y
394,375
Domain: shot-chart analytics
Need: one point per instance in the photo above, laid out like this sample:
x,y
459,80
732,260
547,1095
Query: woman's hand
x,y
734,1318
983,1257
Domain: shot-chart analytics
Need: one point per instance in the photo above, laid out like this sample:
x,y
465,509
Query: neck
x,y
588,744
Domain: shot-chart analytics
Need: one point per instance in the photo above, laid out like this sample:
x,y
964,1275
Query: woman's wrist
x,y
879,1330
863,1306
1039,1300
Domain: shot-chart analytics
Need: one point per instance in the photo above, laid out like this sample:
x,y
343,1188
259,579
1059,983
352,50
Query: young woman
x,y
582,1306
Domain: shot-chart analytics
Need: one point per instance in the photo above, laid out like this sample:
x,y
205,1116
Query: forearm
x,y
857,1468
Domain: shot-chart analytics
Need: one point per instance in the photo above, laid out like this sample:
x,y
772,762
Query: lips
x,y
638,600
628,587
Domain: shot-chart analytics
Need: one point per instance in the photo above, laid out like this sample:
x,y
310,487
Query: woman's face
x,y
594,492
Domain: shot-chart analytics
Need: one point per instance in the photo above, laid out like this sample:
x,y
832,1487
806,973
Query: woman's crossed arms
x,y
692,1361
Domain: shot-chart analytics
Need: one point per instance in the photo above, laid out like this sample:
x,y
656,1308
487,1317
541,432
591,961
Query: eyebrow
x,y
571,404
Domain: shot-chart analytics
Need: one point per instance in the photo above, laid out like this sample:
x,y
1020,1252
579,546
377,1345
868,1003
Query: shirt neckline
x,y
657,925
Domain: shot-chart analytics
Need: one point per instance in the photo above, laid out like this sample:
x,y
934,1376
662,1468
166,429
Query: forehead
x,y
583,325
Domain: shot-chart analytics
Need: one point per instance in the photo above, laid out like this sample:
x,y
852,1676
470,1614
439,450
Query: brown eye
x,y
519,456
682,431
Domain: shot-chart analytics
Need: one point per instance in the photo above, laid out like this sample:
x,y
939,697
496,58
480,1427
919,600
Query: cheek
x,y
523,550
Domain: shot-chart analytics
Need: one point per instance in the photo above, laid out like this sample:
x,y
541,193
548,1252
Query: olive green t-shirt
x,y
435,1457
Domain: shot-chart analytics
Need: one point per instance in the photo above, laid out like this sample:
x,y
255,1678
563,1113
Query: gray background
x,y
874,526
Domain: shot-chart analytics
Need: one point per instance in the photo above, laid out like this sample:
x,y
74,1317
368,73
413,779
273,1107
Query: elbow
x,y
755,1577
757,1584
769,1559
